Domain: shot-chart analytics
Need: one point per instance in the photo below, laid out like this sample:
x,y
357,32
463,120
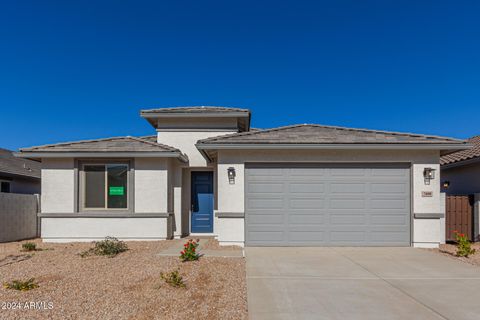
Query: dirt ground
x,y
127,286
449,250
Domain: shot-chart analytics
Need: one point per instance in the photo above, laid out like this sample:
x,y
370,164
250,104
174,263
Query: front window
x,y
105,186
4,186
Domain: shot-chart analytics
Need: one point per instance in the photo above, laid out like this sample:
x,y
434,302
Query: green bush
x,y
109,247
29,246
173,278
21,285
464,247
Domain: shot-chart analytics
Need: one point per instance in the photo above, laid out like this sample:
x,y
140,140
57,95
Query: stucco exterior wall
x,y
90,229
152,193
58,186
463,179
185,141
425,232
151,185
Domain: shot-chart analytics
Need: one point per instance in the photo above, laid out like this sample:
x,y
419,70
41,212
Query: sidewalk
x,y
177,246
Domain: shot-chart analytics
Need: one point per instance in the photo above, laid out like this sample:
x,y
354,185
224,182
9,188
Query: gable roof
x,y
320,134
195,109
11,165
463,155
139,146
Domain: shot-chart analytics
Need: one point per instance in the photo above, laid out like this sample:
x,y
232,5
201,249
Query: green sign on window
x,y
116,191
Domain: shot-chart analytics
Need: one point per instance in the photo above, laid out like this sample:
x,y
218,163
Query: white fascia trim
x,y
178,155
406,146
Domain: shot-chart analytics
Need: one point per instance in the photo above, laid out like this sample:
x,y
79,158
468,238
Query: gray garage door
x,y
327,205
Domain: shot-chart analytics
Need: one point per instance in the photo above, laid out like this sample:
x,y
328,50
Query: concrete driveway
x,y
359,283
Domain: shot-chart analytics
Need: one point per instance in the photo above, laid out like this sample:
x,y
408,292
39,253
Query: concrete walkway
x,y
177,246
359,283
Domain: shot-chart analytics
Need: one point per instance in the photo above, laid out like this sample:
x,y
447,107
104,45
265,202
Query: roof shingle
x,y
195,109
463,155
115,144
319,134
9,164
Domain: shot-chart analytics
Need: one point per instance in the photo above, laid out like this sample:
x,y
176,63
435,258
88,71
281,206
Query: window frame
x,y
81,186
9,185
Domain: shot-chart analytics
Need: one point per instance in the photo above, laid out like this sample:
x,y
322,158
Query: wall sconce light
x,y
428,174
446,184
231,175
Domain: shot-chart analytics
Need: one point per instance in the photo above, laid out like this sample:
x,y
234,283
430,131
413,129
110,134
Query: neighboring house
x,y
18,175
207,173
461,170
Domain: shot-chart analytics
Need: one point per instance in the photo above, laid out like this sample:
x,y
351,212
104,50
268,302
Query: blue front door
x,y
202,202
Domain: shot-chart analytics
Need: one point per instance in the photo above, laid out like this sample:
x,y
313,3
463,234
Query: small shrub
x,y
109,247
173,278
464,247
189,251
21,285
29,246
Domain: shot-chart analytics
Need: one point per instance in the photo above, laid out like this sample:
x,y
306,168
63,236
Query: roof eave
x,y
236,114
368,146
460,163
205,155
7,173
87,154
205,148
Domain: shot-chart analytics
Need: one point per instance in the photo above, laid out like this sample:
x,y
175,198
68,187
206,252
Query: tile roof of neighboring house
x,y
464,154
195,109
152,138
115,144
9,164
319,134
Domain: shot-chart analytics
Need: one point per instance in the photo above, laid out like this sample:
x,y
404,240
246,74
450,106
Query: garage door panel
x,y
266,219
259,175
266,187
265,203
388,204
306,236
389,187
343,203
389,219
387,236
305,187
306,203
266,236
348,219
348,236
306,219
385,172
328,205
347,172
346,188
306,172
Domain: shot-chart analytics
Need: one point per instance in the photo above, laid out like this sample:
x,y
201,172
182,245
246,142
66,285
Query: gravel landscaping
x,y
127,286
449,250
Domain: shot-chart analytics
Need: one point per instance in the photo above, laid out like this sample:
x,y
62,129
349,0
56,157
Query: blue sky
x,y
79,70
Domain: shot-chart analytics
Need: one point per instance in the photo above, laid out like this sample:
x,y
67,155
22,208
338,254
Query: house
x,y
207,173
18,175
461,170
